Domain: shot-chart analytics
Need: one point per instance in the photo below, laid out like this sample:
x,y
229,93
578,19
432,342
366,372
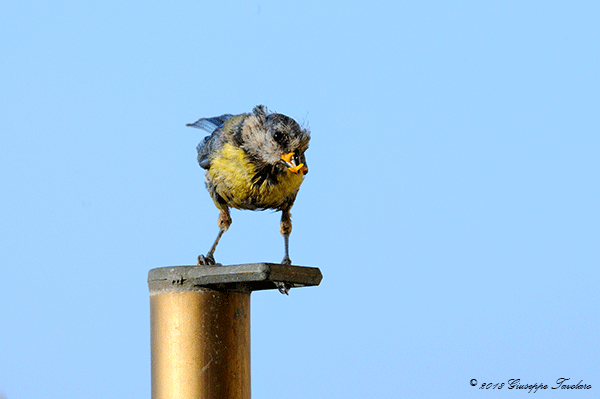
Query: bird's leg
x,y
286,228
224,222
286,246
209,259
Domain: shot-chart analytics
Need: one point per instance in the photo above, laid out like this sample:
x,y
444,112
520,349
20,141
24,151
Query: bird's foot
x,y
286,261
284,288
207,260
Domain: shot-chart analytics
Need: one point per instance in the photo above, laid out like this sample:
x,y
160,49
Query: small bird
x,y
253,161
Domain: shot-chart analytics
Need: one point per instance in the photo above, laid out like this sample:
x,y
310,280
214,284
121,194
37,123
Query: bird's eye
x,y
278,136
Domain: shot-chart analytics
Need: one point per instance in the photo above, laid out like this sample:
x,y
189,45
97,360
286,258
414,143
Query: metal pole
x,y
200,326
200,344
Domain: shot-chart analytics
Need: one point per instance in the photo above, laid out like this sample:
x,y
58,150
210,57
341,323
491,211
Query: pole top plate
x,y
247,277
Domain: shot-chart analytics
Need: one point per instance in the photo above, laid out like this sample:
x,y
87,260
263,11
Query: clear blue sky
x,y
452,202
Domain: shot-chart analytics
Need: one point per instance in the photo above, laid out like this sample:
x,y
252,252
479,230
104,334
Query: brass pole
x,y
200,344
200,326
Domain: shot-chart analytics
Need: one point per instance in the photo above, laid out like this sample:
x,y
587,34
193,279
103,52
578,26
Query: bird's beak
x,y
291,163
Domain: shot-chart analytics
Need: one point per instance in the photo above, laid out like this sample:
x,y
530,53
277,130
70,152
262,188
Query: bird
x,y
252,161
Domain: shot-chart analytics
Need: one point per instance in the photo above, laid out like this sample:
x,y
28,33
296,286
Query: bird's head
x,y
275,141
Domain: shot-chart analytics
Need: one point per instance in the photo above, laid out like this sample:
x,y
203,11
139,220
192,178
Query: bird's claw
x,y
286,261
284,288
207,260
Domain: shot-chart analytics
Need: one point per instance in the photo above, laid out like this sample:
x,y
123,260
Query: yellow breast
x,y
231,174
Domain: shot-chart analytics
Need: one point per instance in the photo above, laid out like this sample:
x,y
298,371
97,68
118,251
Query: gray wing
x,y
209,143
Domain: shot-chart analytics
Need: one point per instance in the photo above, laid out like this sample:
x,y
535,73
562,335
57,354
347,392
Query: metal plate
x,y
248,277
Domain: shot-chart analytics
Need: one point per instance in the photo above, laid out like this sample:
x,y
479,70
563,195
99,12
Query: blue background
x,y
451,204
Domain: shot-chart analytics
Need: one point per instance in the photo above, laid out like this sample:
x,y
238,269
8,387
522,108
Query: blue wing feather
x,y
210,124
209,143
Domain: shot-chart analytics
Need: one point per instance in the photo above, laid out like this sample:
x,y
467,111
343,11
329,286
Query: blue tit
x,y
253,161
